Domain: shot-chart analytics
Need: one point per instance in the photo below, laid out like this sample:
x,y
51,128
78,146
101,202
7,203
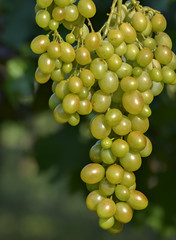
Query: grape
x,y
44,3
163,38
107,156
163,54
136,140
62,3
139,21
106,143
131,161
87,8
100,101
144,57
128,179
113,117
122,192
74,119
105,50
114,62
53,25
85,107
124,71
92,187
106,223
54,49
116,228
129,84
71,13
168,75
87,78
42,18
92,173
71,103
67,52
116,37
123,127
60,115
58,14
156,75
148,30
148,148
131,52
98,67
129,32
147,96
109,83
45,63
84,93
150,43
114,174
41,77
120,148
83,56
137,200
39,44
139,123
121,49
53,101
94,153
75,84
157,88
106,208
106,188
67,67
92,41
61,89
172,63
70,38
57,75
144,82
93,199
158,23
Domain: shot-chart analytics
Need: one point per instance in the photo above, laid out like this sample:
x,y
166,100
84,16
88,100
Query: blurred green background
x,y
41,194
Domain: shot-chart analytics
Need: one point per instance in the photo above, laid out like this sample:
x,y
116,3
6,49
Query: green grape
x,y
129,84
71,103
133,187
133,102
137,71
128,179
77,23
123,127
46,64
144,57
67,67
137,200
114,62
139,21
106,188
87,8
84,93
144,82
92,41
114,174
156,75
74,119
39,44
92,187
116,228
129,32
106,143
106,223
117,96
148,30
60,115
42,18
57,75
121,49
109,83
148,148
70,38
150,43
124,212
93,199
53,101
41,77
172,63
54,49
136,140
92,173
58,14
107,156
168,75
87,78
58,64
131,161
94,152
120,148
131,52
163,38
62,3
75,84
158,23
105,50
53,25
122,192
163,54
146,111
71,13
85,107
99,127
67,52
106,208
157,88
116,37
124,71
83,56
139,123
61,89
113,116
98,67
101,101
147,96
53,86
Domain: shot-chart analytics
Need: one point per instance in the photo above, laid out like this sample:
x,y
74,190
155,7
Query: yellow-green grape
x,y
39,44
87,78
61,89
74,119
129,84
67,52
106,188
85,107
125,70
106,208
158,23
93,199
71,103
128,179
129,32
139,21
172,63
116,228
144,57
99,128
109,83
124,212
42,18
106,223
122,192
84,93
116,37
148,148
121,49
157,88
92,41
131,161
92,173
83,56
75,84
58,63
168,75
54,49
144,82
105,50
150,43
58,14
114,174
137,200
106,143
98,67
70,38
60,115
114,62
107,156
156,75
67,67
123,127
147,96
117,96
120,148
41,77
101,101
46,64
137,71
94,152
131,52
44,3
53,24
133,102
163,38
62,3
148,30
53,101
113,116
139,123
57,75
146,111
71,25
163,54
92,187
71,13
136,140
133,187
87,8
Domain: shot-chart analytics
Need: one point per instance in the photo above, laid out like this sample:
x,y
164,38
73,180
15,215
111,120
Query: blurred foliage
x,y
41,194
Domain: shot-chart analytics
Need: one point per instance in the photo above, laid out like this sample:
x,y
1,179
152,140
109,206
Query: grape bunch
x,y
112,76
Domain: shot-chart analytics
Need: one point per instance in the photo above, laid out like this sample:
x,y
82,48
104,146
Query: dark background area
x,y
41,194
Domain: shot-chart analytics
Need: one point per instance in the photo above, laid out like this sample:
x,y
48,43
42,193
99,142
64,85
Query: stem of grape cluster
x,y
119,15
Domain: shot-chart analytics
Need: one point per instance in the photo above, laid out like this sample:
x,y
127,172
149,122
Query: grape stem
x,y
119,14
